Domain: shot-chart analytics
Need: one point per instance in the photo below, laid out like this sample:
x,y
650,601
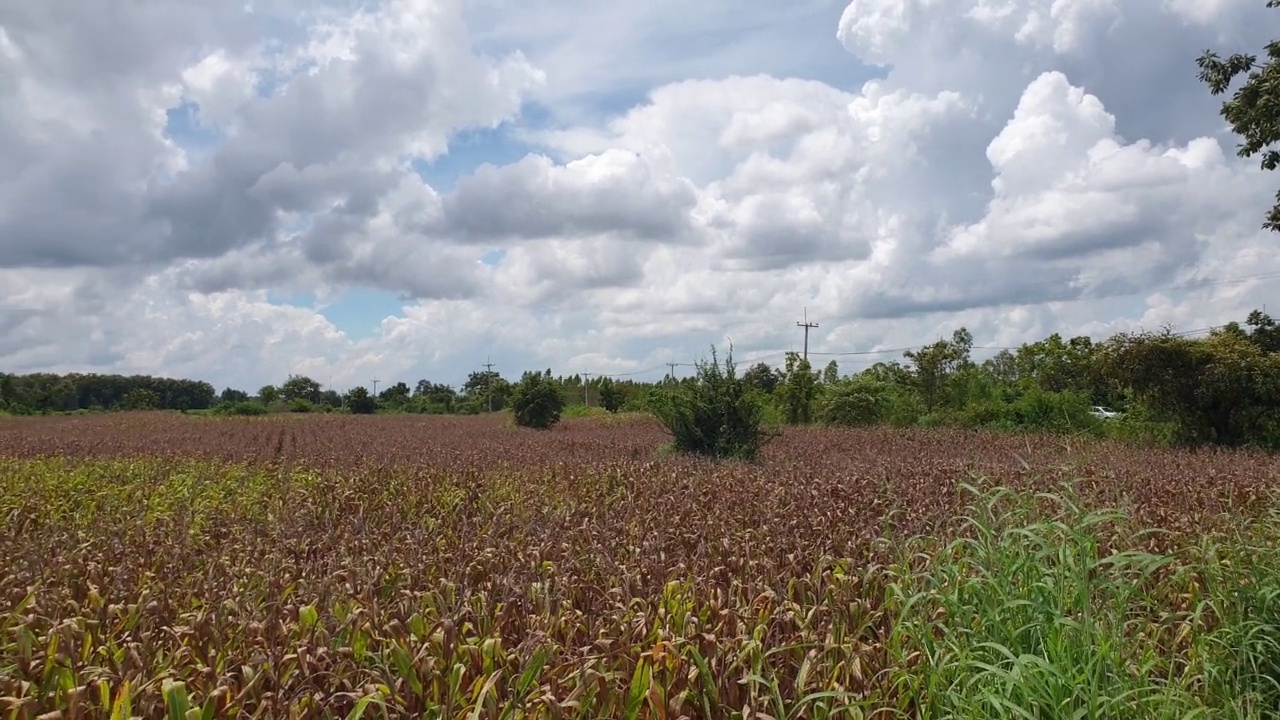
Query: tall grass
x,y
1047,610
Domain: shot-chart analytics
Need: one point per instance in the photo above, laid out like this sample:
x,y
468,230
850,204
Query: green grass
x,y
1030,616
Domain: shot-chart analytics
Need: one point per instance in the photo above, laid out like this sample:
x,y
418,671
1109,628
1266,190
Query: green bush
x,y
536,401
244,407
715,415
855,404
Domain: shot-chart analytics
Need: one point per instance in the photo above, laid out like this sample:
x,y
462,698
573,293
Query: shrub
x,y
244,407
536,401
714,415
855,404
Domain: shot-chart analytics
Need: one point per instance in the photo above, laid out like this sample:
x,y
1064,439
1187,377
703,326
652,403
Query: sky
x,y
406,189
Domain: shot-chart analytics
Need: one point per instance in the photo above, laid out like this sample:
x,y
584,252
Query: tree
x,y
231,395
483,387
799,388
761,377
434,397
856,402
935,364
1223,389
268,394
536,401
831,373
300,387
1056,366
712,415
610,395
1254,109
396,395
360,402
141,399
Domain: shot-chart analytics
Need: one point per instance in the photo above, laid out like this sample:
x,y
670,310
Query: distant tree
x,y
396,395
611,396
831,373
268,394
1254,109
856,402
761,377
434,397
141,399
798,389
1056,366
360,402
300,387
482,386
935,364
536,401
231,395
1265,332
1223,389
892,372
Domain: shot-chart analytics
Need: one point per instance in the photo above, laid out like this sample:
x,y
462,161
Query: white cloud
x,y
1022,167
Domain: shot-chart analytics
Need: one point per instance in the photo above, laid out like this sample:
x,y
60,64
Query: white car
x,y
1103,413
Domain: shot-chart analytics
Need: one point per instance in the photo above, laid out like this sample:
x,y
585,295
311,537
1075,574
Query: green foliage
x,y
141,399
1036,409
300,387
856,403
395,396
244,407
300,405
611,396
1037,613
798,389
361,402
536,401
761,377
268,394
1223,389
933,366
484,391
714,415
1254,110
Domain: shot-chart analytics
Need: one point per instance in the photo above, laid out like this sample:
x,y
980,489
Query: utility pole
x,y
488,380
586,378
375,387
806,325
672,374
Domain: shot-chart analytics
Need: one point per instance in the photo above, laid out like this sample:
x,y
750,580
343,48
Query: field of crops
x,y
401,566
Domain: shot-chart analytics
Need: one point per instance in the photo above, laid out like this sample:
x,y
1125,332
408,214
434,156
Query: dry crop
x,y
454,567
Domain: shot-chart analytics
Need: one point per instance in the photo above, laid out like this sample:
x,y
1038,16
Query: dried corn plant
x,y
456,567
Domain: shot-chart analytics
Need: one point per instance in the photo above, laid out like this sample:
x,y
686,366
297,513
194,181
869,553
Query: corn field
x,y
158,565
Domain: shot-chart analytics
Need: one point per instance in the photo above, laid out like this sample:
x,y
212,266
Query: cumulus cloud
x,y
1017,166
612,193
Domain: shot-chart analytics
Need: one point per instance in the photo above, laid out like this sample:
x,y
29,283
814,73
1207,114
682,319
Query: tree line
x,y
1167,387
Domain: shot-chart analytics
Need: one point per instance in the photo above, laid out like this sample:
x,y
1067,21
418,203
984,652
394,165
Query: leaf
x,y
175,699
639,689
122,708
363,704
